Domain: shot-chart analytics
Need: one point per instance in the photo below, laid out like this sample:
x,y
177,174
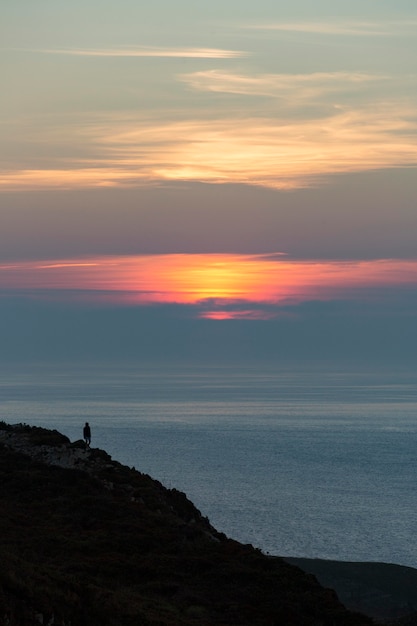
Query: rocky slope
x,y
86,541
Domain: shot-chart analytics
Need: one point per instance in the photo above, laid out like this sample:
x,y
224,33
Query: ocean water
x,y
318,463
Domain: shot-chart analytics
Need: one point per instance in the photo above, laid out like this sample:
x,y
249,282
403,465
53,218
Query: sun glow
x,y
217,286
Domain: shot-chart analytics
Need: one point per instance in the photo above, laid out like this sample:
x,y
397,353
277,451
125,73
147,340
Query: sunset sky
x,y
209,180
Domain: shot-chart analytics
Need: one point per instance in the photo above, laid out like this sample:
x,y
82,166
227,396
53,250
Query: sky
x,y
223,181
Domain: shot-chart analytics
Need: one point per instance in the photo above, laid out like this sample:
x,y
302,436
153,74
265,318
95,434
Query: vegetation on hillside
x,y
112,547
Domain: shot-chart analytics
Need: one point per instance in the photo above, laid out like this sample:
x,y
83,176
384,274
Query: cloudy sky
x,y
214,179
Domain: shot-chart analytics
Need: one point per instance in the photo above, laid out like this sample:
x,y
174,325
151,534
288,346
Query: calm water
x,y
300,463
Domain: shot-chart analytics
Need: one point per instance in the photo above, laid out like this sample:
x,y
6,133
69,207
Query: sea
x,y
316,462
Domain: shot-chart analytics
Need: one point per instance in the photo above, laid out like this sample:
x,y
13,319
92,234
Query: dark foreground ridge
x,y
86,541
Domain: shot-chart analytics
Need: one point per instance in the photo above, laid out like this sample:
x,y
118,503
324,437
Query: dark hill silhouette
x,y
384,591
86,541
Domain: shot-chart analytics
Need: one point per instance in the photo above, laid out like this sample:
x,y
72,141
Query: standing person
x,y
87,434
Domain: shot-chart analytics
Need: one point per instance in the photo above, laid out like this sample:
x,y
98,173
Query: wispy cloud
x,y
315,125
70,177
296,87
278,153
146,51
342,27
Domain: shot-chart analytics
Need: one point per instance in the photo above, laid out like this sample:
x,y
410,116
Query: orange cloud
x,y
281,153
77,177
215,283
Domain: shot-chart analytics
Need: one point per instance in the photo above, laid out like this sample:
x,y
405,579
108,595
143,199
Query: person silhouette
x,y
87,434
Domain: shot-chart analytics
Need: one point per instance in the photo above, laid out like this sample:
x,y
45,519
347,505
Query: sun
x,y
215,279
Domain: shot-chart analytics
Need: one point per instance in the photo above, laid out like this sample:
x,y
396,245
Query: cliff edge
x,y
86,541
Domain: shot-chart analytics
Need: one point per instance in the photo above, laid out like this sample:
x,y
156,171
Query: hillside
x,y
384,591
86,541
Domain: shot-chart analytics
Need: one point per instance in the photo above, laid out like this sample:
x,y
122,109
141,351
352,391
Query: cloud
x,y
218,286
313,126
284,153
146,51
291,87
373,317
73,177
349,28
